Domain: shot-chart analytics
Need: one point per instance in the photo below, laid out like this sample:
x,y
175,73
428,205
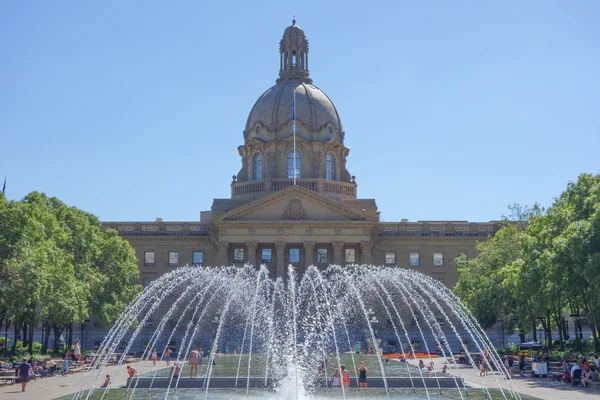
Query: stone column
x,y
365,250
251,247
223,255
338,248
280,262
309,249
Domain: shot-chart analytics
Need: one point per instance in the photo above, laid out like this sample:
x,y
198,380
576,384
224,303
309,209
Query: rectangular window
x,y
294,256
438,259
197,258
266,256
350,256
238,255
149,259
390,258
322,256
414,260
173,258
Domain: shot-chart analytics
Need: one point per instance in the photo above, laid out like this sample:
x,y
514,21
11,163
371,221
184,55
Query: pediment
x,y
294,204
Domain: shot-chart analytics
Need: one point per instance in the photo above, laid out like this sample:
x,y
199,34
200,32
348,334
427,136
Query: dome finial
x,y
293,50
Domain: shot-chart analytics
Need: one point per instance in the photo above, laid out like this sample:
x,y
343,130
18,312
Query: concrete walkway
x,y
542,388
58,386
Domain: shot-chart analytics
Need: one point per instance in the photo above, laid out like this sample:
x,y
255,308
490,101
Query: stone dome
x,y
315,112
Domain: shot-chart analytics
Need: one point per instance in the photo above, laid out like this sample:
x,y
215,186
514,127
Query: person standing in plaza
x,y
194,360
77,350
154,357
362,375
521,363
23,374
168,356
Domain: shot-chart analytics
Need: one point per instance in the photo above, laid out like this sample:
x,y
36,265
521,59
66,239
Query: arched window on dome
x,y
258,167
330,170
294,60
291,169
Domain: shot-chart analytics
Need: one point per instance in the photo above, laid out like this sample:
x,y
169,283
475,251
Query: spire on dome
x,y
293,55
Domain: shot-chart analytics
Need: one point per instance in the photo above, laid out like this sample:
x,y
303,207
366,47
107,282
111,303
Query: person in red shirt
x,y
131,371
345,377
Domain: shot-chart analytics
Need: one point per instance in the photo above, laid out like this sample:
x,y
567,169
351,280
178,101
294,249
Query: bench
x,y
555,370
8,377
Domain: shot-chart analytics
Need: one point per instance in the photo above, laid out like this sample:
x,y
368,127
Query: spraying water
x,y
288,337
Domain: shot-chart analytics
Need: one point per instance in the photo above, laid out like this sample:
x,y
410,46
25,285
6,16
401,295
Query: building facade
x,y
293,201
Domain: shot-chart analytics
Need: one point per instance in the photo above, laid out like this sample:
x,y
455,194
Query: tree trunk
x,y
70,336
58,330
15,338
6,336
23,334
47,328
548,328
534,331
31,332
594,335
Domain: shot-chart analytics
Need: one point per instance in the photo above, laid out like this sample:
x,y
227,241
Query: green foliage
x,y
58,267
541,263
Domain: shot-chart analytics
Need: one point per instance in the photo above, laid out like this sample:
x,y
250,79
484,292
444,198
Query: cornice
x,y
163,237
288,224
383,239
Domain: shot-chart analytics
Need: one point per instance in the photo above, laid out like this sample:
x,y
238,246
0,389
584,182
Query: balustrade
x,y
342,189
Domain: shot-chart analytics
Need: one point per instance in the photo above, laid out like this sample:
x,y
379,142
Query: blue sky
x,y
452,110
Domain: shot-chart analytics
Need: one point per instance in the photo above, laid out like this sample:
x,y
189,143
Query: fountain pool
x,y
262,338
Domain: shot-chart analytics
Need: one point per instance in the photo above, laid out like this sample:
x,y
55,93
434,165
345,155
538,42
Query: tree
x,y
58,267
481,281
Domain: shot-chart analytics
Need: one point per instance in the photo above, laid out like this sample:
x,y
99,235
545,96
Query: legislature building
x,y
298,207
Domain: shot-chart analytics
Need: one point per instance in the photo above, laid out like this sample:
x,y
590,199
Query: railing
x,y
437,229
337,188
157,228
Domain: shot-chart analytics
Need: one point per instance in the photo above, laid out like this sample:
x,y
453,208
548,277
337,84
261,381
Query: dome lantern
x,y
293,55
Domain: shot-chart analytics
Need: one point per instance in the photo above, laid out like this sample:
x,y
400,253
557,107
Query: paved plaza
x,y
542,388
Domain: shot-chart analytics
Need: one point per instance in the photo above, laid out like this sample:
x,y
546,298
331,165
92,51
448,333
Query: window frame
x,y
290,164
257,164
393,255
236,259
153,262
263,260
410,262
330,167
290,255
434,259
347,252
201,257
173,264
326,252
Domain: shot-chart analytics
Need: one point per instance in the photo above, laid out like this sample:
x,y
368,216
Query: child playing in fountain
x,y
335,379
106,382
362,375
168,356
345,377
131,371
175,371
154,357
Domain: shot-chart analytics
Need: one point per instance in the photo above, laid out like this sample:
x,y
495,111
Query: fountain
x,y
273,339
